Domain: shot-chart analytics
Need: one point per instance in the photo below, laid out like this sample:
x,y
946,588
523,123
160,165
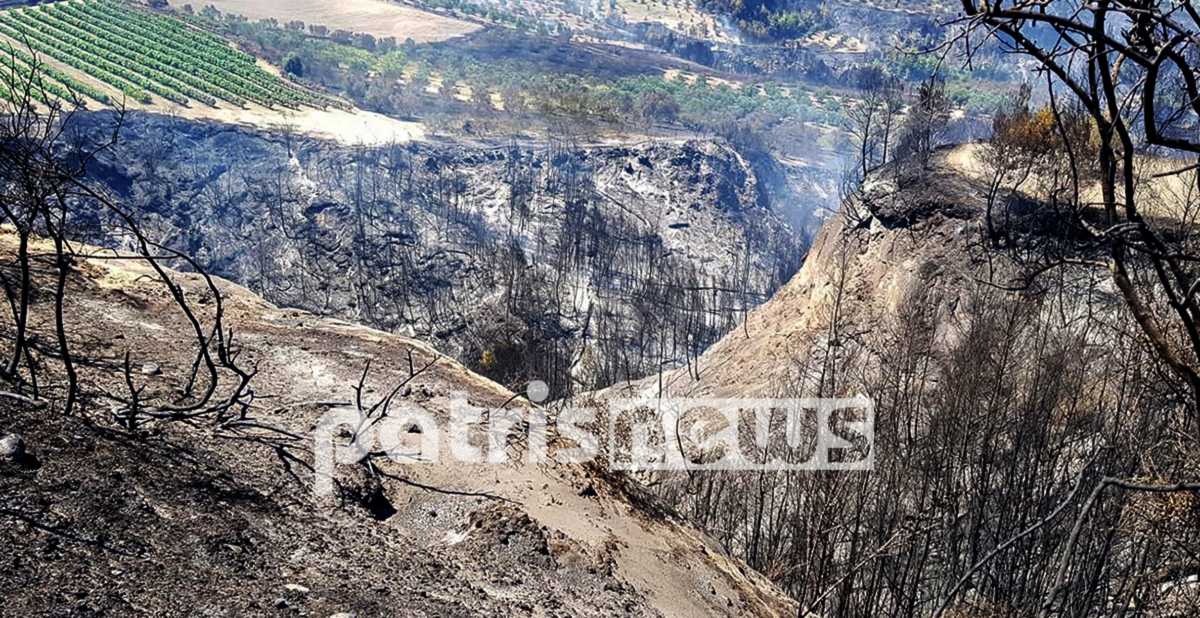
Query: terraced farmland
x,y
142,56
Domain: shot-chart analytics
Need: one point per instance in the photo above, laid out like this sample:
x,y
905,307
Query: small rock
x,y
151,369
342,615
588,492
280,603
297,588
12,448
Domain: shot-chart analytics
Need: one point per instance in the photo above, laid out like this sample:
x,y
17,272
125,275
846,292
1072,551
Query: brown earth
x,y
186,518
919,238
376,17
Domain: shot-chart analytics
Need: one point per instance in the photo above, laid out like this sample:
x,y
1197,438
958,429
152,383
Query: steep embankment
x,y
560,262
179,519
1008,378
896,245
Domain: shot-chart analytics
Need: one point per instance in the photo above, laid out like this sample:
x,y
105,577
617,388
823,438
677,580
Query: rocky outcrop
x,y
972,374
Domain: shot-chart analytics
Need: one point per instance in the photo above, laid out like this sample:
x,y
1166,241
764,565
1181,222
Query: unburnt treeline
x,y
581,267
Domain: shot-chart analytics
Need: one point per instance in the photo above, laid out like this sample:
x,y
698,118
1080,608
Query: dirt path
x,y
354,127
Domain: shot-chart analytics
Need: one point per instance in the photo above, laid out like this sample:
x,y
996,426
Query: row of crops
x,y
22,76
144,56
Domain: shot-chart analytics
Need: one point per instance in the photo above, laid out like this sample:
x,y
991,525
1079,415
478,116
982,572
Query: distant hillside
x,y
578,265
113,54
774,19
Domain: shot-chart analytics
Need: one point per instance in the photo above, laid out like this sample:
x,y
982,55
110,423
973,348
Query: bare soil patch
x,y
182,519
375,17
355,127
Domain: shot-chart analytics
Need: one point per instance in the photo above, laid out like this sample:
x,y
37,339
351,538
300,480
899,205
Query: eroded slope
x,y
913,240
177,519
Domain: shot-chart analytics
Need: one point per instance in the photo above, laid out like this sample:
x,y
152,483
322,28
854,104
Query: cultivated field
x,y
102,52
376,17
147,57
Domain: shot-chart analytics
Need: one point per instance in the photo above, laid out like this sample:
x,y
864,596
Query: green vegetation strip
x,y
140,53
129,54
24,21
74,86
223,66
65,54
173,89
206,53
